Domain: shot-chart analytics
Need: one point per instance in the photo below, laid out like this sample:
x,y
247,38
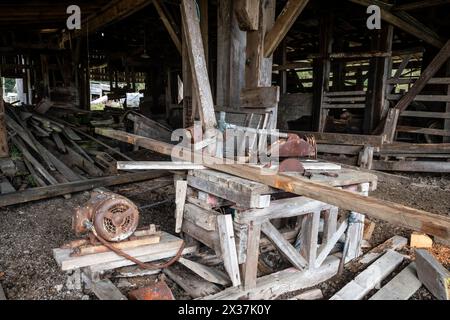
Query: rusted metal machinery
x,y
111,219
291,149
114,217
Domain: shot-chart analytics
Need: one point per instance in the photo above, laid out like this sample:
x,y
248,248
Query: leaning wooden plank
x,y
369,278
2,294
197,61
283,246
208,273
284,21
433,275
419,220
401,287
271,286
228,248
76,186
38,166
180,199
158,165
426,75
193,284
394,243
103,289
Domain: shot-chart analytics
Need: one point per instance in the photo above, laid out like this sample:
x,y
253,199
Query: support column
x,y
4,150
321,72
231,43
379,72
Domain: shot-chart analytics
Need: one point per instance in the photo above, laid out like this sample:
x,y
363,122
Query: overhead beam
x,y
419,5
284,22
419,220
168,24
416,29
114,11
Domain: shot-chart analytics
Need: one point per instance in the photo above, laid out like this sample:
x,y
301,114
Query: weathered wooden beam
x,y
247,14
283,23
416,29
432,274
419,5
77,186
4,150
196,53
168,24
411,218
115,11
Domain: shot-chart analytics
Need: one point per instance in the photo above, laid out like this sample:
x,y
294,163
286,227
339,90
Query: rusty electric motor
x,y
113,216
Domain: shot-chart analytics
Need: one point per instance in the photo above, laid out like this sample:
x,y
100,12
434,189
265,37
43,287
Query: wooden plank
x,y
432,274
426,75
342,138
193,284
241,198
158,165
166,248
415,148
2,293
271,286
415,5
313,294
4,149
307,238
282,208
104,289
250,267
330,217
180,199
426,114
429,131
326,248
401,287
76,186
412,166
414,219
288,251
416,29
394,243
169,27
197,62
228,248
283,23
422,97
206,219
260,98
369,278
208,273
208,238
247,14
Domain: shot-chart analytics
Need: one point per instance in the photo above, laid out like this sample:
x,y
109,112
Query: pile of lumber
x,y
49,156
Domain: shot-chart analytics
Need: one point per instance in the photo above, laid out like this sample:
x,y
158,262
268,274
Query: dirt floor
x,y
29,232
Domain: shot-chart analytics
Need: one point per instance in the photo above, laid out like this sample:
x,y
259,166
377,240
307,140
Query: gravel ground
x,y
29,232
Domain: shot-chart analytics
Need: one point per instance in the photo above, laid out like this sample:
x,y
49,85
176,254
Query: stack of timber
x,y
51,157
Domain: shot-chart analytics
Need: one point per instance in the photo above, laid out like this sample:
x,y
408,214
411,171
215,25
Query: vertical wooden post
x,y
321,71
250,268
447,105
188,101
379,72
283,73
307,239
231,42
356,228
4,150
